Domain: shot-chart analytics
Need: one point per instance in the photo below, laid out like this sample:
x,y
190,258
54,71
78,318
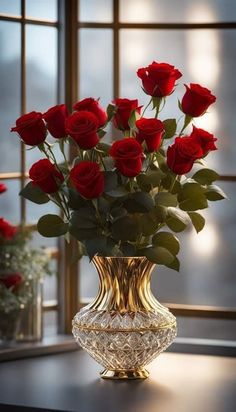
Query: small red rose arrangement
x,y
125,198
19,264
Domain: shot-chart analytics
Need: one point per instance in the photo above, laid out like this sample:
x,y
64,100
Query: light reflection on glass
x,y
205,242
210,120
203,57
139,11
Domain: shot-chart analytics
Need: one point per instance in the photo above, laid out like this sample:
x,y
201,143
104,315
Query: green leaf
x,y
111,110
150,221
205,176
178,219
132,119
167,184
175,264
139,202
52,226
198,221
84,218
120,191
170,126
166,199
111,181
128,249
101,133
83,234
150,179
158,254
100,245
168,241
192,196
118,212
195,203
214,193
125,228
34,194
75,201
156,101
180,105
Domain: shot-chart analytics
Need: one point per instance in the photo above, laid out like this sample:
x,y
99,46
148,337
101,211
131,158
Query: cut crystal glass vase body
x,y
125,327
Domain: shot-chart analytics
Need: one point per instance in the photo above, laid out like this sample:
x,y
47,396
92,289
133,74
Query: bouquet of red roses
x,y
124,198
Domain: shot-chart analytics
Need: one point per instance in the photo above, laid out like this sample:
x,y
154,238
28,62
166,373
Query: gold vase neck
x,y
125,285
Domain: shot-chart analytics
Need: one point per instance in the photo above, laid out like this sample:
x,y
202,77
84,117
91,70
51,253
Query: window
x,y
29,81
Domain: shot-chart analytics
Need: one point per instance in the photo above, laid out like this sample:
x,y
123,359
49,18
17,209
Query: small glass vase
x,y
8,326
30,328
125,328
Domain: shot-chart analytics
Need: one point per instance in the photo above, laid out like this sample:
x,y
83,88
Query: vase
x,y
8,325
30,322
125,327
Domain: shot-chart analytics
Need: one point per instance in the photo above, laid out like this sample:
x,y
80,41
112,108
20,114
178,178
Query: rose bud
x,y
88,179
204,139
7,231
92,105
159,79
46,176
3,188
82,126
150,131
128,155
31,128
196,100
182,154
11,280
124,108
55,118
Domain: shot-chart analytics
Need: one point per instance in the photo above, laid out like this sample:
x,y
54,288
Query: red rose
x,y
124,108
3,188
82,127
31,128
196,100
11,280
88,179
182,154
159,78
45,175
204,139
150,131
7,231
91,105
128,155
55,118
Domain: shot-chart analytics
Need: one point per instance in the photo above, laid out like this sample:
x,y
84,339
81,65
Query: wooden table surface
x,y
70,382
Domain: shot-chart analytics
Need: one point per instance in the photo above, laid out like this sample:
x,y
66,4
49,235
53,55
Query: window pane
x,y
34,211
10,7
95,11
50,323
88,279
208,260
41,71
43,9
206,328
10,69
207,57
10,201
95,76
159,11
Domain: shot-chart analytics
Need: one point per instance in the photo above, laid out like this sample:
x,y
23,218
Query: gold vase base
x,y
124,374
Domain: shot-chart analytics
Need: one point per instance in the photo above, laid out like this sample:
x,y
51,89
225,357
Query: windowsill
x,y
48,345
